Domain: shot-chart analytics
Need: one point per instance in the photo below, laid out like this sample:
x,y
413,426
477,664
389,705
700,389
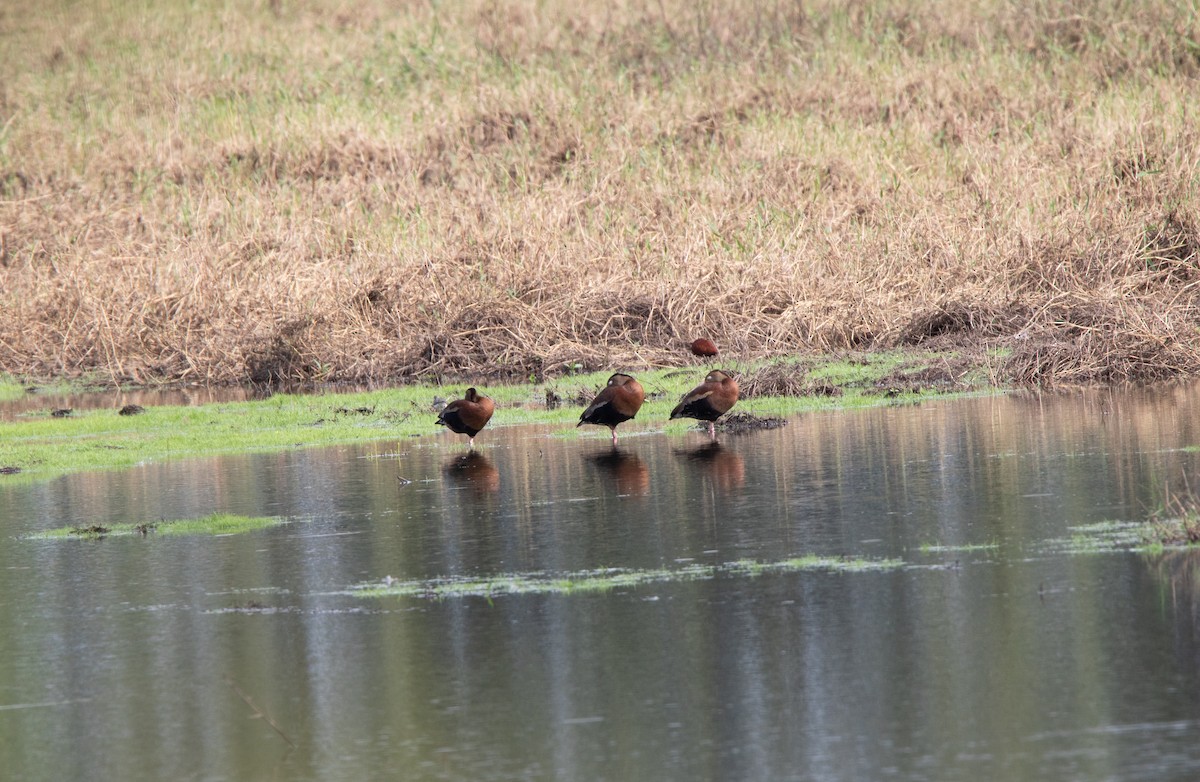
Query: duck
x,y
709,401
703,347
617,402
467,415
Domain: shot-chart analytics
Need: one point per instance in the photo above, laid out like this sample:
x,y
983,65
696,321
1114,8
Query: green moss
x,y
214,524
608,579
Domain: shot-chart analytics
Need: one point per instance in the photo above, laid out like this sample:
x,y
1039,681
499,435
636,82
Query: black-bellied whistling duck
x,y
704,347
467,415
709,401
616,403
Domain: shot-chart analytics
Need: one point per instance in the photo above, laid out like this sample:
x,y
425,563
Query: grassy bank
x,y
298,191
37,446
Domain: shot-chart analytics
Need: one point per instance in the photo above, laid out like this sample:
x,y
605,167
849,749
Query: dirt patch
x,y
737,423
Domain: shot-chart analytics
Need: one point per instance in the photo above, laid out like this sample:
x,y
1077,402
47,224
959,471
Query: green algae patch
x,y
607,579
214,524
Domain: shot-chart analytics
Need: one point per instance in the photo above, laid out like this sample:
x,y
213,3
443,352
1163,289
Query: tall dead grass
x,y
297,191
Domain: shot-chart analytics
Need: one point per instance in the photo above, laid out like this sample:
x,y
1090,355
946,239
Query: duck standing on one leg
x,y
709,401
617,402
467,415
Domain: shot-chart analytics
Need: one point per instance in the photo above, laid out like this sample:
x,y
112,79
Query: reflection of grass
x,y
931,548
215,524
608,579
1109,536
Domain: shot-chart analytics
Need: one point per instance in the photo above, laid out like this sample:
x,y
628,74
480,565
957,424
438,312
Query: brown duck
x,y
467,415
616,403
709,401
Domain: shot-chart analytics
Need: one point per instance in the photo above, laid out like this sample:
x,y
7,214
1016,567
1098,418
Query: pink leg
x,y
712,430
614,435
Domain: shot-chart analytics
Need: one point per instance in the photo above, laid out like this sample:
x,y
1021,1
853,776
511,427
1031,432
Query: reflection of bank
x,y
475,470
1179,568
724,466
627,471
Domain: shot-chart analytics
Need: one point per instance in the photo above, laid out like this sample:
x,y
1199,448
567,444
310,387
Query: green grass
x,y
607,579
214,524
43,447
10,389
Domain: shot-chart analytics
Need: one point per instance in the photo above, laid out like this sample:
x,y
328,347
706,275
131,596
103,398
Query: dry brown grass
x,y
293,191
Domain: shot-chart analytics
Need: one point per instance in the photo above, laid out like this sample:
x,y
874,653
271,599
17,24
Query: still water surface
x,y
149,658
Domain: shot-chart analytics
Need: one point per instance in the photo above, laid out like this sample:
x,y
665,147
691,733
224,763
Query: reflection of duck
x,y
468,415
627,470
709,401
724,466
475,470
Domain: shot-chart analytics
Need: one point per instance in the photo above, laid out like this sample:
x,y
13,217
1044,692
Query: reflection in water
x,y
475,470
722,465
115,400
1179,570
626,469
1022,662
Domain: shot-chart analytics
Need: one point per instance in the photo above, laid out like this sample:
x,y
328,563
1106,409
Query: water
x,y
149,658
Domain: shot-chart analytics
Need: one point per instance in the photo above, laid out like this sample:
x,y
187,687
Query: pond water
x,y
994,649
